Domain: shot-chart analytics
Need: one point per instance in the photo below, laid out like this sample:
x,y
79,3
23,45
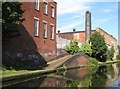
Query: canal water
x,y
102,76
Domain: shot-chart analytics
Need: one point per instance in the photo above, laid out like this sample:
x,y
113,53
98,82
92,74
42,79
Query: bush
x,y
73,48
110,53
118,57
92,62
86,48
67,48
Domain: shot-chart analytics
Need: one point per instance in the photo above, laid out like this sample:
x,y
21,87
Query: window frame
x,y
45,9
52,31
52,12
36,19
44,31
37,7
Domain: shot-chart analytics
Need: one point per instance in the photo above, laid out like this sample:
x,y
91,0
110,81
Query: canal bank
x,y
51,68
76,77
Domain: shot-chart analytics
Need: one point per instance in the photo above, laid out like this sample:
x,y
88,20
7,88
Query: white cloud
x,y
107,10
67,7
103,20
70,6
70,26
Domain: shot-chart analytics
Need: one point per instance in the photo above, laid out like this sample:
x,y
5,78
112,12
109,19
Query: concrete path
x,y
56,63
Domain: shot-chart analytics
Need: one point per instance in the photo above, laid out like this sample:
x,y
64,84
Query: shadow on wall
x,y
20,51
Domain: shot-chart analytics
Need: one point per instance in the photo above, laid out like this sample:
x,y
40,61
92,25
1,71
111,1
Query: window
x,y
51,32
36,26
37,4
44,29
52,11
45,8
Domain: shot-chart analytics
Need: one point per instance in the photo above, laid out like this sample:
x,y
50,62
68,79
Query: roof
x,y
74,32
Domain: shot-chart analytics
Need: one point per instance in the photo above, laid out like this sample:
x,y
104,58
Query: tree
x,y
98,47
73,48
110,53
11,17
86,48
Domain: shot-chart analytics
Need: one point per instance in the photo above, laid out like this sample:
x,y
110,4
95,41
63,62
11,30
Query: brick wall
x,y
26,41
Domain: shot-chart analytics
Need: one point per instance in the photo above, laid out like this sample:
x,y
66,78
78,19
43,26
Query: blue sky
x,y
71,14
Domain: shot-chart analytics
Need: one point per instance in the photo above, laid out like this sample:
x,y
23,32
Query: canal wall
x,y
53,68
50,69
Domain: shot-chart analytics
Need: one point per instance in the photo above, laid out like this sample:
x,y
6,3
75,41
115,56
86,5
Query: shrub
x,y
118,57
110,53
73,48
67,48
92,62
86,48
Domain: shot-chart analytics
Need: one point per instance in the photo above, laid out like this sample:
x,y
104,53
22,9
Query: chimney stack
x,y
87,24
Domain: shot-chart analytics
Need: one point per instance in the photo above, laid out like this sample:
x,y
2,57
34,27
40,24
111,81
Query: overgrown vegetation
x,y
92,62
86,48
73,48
98,46
119,49
110,53
118,57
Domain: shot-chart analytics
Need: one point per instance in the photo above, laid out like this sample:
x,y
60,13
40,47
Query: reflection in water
x,y
83,77
99,78
116,71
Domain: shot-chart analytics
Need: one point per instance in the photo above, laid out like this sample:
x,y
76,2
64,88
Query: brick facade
x,y
45,46
27,41
78,36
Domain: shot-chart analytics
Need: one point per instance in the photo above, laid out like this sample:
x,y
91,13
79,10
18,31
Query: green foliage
x,y
67,48
118,57
99,78
92,62
11,16
5,68
98,47
110,71
87,81
119,49
71,84
73,48
86,48
110,53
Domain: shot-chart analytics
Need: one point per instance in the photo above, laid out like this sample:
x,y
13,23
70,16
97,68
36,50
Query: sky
x,y
71,14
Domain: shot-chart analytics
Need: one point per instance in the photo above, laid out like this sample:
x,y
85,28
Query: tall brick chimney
x,y
87,24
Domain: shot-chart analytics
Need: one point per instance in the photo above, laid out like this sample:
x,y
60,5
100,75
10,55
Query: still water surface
x,y
102,76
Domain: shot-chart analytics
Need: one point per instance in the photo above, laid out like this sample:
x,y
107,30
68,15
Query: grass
x,y
12,72
9,71
109,62
94,62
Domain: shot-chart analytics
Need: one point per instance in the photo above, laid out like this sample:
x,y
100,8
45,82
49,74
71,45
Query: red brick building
x,y
40,22
37,32
78,36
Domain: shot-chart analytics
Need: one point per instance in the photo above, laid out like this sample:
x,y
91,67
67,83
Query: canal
x,y
102,76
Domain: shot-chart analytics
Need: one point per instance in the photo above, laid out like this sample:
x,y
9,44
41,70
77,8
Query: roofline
x,y
107,33
74,32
